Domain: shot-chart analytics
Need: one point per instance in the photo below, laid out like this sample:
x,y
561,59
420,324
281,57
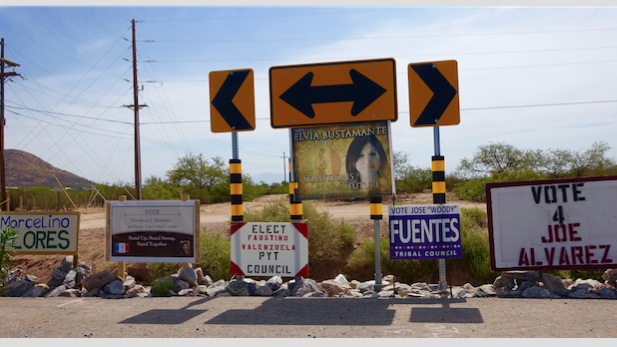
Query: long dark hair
x,y
353,153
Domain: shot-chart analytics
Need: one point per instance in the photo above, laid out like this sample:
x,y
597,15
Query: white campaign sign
x,y
553,224
269,249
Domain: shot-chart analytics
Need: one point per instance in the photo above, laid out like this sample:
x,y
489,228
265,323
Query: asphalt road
x,y
257,317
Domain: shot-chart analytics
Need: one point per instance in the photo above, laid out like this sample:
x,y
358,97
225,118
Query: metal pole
x,y
3,196
234,145
136,105
378,283
443,285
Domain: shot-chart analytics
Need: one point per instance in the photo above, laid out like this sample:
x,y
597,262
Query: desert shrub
x,y
326,237
162,286
213,259
475,245
362,263
8,237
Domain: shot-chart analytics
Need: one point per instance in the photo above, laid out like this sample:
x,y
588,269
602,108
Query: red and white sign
x,y
550,225
269,249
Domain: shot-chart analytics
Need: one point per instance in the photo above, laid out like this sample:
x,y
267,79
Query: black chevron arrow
x,y
443,93
223,101
362,91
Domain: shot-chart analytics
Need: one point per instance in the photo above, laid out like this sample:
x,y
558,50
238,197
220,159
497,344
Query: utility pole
x,y
4,205
136,108
284,166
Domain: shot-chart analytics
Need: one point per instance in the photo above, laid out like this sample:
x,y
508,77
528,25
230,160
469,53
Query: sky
x,y
535,77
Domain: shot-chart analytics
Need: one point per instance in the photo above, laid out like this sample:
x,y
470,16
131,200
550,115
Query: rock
x,y
304,286
459,292
354,284
200,275
388,278
608,293
509,294
282,292
31,278
17,288
370,294
487,289
366,286
583,294
275,282
237,288
35,292
80,272
567,282
55,282
206,280
610,277
537,292
92,293
180,285
201,289
531,276
71,293
341,279
385,293
69,280
505,283
469,287
59,273
67,263
114,287
129,283
98,280
334,288
141,295
188,275
216,289
136,289
187,292
15,274
263,291
87,268
524,285
554,284
590,283
56,292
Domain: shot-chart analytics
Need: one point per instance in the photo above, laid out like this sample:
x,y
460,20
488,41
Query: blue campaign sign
x,y
425,232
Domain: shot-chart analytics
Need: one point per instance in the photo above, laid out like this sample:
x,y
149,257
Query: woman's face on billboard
x,y
368,163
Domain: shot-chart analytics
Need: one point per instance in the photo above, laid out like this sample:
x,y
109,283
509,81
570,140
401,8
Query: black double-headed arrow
x,y
443,93
224,104
362,91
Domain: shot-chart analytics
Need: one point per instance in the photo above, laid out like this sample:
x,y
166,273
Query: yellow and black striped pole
x,y
235,189
295,205
376,211
439,180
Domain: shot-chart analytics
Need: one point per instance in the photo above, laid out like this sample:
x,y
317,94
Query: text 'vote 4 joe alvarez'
x,y
425,232
553,224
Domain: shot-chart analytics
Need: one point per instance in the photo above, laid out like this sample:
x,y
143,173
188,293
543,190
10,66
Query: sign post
x,y
434,101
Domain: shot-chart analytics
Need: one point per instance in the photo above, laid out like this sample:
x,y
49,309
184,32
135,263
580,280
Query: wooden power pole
x,y
4,204
136,109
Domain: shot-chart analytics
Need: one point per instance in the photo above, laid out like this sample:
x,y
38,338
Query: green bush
x,y
162,286
475,245
8,237
214,258
362,263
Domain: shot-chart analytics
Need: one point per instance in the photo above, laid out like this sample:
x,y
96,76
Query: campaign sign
x,y
43,233
153,231
548,225
269,249
351,160
425,232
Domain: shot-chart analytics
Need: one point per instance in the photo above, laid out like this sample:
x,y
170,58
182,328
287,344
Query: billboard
x,y
269,249
425,232
350,160
547,225
153,231
43,233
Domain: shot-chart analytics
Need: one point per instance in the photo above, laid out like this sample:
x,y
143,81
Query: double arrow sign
x,y
343,92
333,93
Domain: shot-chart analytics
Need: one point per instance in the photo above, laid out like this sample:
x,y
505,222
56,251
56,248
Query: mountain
x,y
27,170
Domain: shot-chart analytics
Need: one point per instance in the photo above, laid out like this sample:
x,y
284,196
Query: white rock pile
x,y
79,282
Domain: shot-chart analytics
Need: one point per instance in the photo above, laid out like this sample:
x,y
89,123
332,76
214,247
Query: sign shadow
x,y
445,314
167,316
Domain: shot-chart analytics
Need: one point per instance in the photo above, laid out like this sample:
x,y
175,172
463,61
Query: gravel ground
x,y
256,317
